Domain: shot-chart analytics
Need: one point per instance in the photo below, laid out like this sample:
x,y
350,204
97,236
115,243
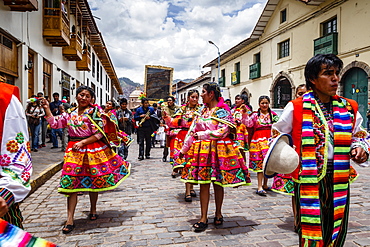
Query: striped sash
x,y
309,177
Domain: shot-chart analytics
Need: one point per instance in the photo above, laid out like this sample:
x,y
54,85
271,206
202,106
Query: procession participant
x,y
146,120
110,108
241,113
169,110
182,120
124,116
283,183
261,121
44,124
15,158
212,156
89,162
327,133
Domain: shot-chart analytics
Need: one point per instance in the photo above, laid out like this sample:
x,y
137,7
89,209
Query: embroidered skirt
x,y
241,139
177,145
258,149
283,184
94,168
217,161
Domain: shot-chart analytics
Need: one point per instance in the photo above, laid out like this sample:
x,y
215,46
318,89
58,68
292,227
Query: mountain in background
x,y
128,86
184,80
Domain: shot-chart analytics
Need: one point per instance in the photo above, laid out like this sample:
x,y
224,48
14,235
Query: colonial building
x,y
54,46
288,33
197,84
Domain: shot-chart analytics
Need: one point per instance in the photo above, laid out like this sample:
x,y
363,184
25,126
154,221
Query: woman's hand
x,y
359,155
195,135
44,103
78,145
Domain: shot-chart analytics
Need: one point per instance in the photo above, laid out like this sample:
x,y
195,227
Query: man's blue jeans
x,y
54,136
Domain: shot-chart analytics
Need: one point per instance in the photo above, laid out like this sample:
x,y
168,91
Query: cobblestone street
x,y
148,209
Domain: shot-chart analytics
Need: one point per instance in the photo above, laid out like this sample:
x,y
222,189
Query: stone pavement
x,y
148,209
46,162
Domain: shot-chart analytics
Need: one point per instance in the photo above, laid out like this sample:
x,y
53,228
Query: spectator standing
x,y
66,105
54,108
34,112
44,126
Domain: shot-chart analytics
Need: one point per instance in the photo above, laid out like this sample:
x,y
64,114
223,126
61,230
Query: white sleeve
x,y
285,122
15,161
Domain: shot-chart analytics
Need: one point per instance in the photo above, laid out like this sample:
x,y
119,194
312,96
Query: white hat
x,y
281,157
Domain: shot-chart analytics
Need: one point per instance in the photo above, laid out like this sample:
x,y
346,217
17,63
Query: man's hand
x,y
359,155
3,207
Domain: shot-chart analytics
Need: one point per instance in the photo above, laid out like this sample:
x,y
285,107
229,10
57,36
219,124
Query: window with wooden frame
x,y
284,49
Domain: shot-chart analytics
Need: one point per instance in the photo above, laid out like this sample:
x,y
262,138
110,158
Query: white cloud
x,y
172,33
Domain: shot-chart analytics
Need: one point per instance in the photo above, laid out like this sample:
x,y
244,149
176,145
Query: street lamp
x,y
218,60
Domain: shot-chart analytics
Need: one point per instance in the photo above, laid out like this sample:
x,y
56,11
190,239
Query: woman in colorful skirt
x,y
241,113
182,120
261,121
89,163
213,157
283,183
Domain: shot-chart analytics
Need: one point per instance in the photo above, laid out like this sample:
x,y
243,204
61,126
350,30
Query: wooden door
x,y
355,84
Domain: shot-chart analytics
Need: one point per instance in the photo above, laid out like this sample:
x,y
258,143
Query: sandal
x,y
188,198
192,193
200,226
267,189
261,192
218,221
68,228
93,216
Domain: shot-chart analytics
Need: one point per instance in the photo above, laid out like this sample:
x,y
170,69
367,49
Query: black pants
x,y
144,133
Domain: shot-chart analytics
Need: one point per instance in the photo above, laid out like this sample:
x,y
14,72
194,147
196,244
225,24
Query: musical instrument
x,y
144,118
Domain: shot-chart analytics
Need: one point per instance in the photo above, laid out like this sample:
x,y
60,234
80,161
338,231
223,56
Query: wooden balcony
x,y
22,5
73,52
56,27
85,63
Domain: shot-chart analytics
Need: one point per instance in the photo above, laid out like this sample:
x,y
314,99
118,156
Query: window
x,y
284,49
46,80
101,75
101,96
93,64
97,71
237,67
329,27
257,58
6,42
87,82
283,16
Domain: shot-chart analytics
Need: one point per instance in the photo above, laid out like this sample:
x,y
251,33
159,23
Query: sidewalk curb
x,y
44,176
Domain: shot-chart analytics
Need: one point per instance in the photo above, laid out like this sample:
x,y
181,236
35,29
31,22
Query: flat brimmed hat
x,y
281,157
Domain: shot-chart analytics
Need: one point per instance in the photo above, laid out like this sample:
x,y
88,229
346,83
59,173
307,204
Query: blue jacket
x,y
141,111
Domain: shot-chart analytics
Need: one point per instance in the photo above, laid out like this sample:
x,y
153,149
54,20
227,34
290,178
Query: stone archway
x,y
354,84
354,64
246,92
282,90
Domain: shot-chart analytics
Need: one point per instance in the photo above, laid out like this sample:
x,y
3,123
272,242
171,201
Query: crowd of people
x,y
217,143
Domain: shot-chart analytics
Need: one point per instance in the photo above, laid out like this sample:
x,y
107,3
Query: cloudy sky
x,y
172,33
